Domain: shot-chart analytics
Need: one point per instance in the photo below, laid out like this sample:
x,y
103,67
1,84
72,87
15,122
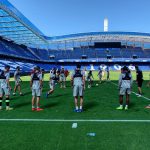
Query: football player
x,y
54,78
139,80
62,78
125,87
90,79
36,84
5,87
108,73
100,75
18,81
77,82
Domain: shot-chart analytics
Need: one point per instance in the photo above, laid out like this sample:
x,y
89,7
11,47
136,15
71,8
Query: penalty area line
x,y
74,120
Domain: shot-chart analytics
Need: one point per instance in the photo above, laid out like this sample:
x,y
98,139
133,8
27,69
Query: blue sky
x,y
60,17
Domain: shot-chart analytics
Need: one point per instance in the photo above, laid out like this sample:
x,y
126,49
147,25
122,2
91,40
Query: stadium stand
x,y
23,43
10,48
100,53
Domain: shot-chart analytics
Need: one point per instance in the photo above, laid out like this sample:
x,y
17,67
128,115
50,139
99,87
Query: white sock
x,y
77,107
80,107
33,106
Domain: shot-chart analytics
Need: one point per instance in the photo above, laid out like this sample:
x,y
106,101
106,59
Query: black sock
x,y
7,102
1,101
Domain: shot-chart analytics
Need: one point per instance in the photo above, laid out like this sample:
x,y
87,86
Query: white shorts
x,y
89,79
17,83
62,78
78,90
124,91
5,91
36,92
52,84
100,76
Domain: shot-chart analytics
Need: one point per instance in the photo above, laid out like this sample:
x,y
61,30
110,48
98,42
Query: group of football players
x,y
78,79
36,84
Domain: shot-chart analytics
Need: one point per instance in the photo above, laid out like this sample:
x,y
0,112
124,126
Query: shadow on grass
x,y
22,104
132,105
90,105
28,93
52,104
58,95
16,98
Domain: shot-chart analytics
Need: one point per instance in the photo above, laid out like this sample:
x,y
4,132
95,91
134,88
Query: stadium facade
x,y
21,41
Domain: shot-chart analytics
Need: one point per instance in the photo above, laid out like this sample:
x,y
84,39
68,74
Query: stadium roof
x,y
16,27
104,36
88,39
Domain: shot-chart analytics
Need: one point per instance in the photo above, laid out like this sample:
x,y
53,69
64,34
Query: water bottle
x,y
91,134
74,125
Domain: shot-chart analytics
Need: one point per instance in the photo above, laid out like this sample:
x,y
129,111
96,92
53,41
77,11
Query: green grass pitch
x,y
99,103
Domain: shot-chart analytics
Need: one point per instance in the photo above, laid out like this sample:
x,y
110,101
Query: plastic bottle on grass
x,y
91,134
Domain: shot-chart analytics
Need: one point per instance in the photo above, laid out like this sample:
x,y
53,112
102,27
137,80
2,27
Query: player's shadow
x,y
132,105
52,104
27,93
22,104
15,98
90,105
58,95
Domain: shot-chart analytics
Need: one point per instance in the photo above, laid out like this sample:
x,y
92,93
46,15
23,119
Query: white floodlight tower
x,y
106,25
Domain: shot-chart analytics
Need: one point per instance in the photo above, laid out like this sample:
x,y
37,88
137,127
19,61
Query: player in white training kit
x,y
5,87
125,87
17,80
36,85
54,78
90,79
62,78
85,75
78,81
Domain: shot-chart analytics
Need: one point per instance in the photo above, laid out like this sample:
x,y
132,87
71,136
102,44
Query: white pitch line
x,y
75,120
135,93
142,96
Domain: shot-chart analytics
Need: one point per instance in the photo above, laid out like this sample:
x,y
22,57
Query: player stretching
x,y
125,86
62,78
5,87
100,75
17,80
90,79
36,84
54,77
78,81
